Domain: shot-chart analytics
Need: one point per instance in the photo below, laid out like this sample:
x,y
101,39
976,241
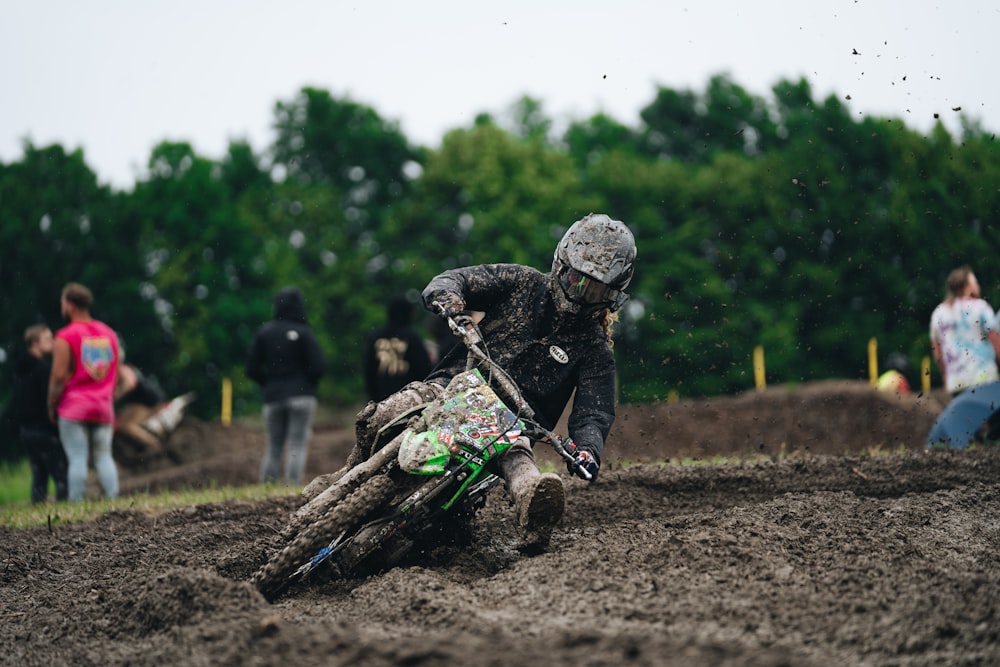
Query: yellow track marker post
x,y
873,361
227,401
759,380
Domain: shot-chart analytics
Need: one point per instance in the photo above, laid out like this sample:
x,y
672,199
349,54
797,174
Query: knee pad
x,y
364,430
365,415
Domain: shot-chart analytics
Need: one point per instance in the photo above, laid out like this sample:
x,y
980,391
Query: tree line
x,y
781,221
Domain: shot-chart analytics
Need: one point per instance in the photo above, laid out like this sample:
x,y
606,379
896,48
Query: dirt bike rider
x,y
552,334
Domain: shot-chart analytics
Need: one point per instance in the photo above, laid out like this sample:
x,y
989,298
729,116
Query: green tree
x,y
346,145
204,271
586,141
691,127
57,225
487,196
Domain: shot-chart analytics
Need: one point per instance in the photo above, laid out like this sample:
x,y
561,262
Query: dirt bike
x,y
431,468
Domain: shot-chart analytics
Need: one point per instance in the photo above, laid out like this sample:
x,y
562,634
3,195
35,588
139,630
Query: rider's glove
x,y
584,460
448,304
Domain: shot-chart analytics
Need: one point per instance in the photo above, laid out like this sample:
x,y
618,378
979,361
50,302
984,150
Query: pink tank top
x,y
89,393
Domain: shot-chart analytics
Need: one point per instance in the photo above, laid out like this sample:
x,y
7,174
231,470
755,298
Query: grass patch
x,y
15,482
23,514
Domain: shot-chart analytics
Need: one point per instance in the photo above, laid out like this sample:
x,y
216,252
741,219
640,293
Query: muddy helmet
x,y
593,262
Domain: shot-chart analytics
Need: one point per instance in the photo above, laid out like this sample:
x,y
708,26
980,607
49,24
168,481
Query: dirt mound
x,y
826,417
145,604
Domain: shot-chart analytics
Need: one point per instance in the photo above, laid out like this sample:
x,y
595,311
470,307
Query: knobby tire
x,y
320,504
273,577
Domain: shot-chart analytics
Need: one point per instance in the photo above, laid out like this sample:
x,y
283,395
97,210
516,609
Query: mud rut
x,y
811,560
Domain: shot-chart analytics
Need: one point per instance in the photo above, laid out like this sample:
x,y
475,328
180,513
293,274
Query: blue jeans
x,y
289,427
77,439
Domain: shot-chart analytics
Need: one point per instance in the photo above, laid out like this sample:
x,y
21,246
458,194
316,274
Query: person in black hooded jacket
x,y
39,435
286,361
552,333
395,354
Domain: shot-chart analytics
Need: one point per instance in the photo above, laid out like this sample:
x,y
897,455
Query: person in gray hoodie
x,y
285,359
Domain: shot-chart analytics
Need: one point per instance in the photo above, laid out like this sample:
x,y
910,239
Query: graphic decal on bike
x,y
472,422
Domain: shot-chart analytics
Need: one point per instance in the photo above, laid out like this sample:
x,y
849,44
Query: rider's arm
x,y
474,287
594,405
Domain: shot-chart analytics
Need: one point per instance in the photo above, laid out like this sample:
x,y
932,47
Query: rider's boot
x,y
538,498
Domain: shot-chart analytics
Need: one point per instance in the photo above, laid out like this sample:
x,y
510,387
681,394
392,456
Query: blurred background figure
x,y
86,359
39,436
286,361
442,339
144,418
964,337
896,375
395,354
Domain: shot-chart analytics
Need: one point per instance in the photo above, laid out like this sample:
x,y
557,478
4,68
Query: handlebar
x,y
498,377
564,447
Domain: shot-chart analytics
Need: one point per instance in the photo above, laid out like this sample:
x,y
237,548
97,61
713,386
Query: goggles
x,y
581,288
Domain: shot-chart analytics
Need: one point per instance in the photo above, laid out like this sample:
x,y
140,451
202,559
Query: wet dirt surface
x,y
821,550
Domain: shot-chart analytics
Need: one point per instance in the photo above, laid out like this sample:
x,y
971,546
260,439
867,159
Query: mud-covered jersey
x,y
961,328
549,355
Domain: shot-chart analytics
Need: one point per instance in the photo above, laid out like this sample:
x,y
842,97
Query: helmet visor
x,y
581,288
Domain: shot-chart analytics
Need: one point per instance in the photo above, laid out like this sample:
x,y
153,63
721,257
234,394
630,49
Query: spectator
x,y
395,354
442,340
964,336
39,436
135,387
85,366
286,361
895,378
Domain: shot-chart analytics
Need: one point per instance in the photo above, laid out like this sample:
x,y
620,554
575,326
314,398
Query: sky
x,y
116,77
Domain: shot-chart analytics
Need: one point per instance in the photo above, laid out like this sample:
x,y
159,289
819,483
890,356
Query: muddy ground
x,y
836,541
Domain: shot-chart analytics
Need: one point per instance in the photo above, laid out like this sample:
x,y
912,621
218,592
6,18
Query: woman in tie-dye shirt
x,y
964,334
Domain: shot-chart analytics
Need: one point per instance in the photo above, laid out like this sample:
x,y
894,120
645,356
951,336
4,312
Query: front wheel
x,y
274,577
345,482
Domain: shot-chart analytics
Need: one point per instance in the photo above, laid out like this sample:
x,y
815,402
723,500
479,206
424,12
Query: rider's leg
x,y
376,415
367,424
538,498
